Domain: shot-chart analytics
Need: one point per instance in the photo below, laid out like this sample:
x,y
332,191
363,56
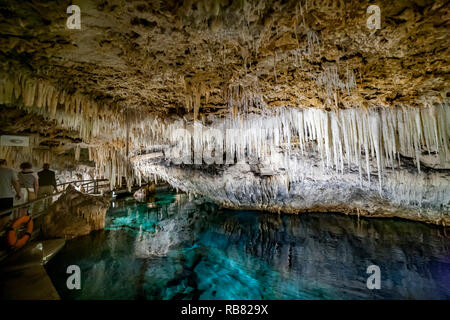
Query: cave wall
x,y
367,106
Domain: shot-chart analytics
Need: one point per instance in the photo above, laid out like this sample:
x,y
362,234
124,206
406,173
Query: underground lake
x,y
173,247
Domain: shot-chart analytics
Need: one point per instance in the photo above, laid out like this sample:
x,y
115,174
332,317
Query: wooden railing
x,y
90,186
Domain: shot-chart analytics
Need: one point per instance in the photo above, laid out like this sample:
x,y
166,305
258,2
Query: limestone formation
x,y
347,117
143,193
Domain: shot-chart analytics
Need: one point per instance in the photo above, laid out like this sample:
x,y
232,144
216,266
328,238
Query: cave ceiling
x,y
190,59
148,55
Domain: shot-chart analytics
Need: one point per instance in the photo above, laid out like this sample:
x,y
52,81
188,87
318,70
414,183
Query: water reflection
x,y
180,249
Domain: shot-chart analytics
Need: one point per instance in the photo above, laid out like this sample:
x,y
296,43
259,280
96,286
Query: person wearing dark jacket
x,y
47,183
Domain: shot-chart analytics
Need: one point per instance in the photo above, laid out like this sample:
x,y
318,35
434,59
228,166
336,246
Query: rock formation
x,y
143,193
328,113
75,214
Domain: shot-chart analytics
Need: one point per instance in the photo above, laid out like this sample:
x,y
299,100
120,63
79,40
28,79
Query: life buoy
x,y
11,236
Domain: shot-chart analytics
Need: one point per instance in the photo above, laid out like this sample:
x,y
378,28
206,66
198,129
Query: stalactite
x,y
197,97
332,84
368,141
348,138
313,42
34,154
77,153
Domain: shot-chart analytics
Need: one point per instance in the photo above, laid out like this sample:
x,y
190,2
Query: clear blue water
x,y
173,248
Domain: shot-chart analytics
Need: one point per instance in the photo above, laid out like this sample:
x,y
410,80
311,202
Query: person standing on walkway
x,y
8,182
29,185
47,184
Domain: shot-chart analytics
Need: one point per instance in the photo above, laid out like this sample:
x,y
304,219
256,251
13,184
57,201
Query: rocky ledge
x,y
421,197
75,214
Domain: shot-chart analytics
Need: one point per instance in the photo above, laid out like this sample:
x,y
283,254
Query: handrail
x,y
77,181
99,187
6,212
11,210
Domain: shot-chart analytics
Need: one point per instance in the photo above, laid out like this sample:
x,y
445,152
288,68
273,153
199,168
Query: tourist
x,y
29,186
8,181
47,184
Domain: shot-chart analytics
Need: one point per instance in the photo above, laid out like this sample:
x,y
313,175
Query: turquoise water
x,y
173,248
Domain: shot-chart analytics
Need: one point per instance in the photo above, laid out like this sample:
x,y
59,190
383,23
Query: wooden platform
x,y
23,276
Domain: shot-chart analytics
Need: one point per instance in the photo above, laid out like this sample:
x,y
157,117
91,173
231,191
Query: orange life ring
x,y
11,236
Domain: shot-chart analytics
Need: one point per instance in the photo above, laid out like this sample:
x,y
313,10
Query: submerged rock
x,y
75,214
